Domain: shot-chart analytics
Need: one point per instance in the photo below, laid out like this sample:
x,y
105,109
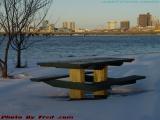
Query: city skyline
x,y
95,13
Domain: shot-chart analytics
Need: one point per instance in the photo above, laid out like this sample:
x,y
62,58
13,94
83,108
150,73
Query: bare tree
x,y
27,11
5,22
15,17
0,50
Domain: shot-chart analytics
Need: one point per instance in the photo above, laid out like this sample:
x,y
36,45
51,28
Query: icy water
x,y
49,48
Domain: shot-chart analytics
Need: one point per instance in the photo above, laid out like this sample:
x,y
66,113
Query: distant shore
x,y
97,33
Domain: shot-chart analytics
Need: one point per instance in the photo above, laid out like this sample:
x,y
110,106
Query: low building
x,y
61,30
51,28
46,27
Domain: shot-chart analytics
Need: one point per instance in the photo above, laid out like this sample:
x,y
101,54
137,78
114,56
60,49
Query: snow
x,y
20,96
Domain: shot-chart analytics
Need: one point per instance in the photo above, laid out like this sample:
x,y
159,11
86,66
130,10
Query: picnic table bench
x,y
96,80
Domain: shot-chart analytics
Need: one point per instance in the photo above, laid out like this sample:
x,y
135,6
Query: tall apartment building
x,y
112,25
124,25
145,20
69,25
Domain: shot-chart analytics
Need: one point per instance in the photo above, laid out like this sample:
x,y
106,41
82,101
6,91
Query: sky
x,y
96,13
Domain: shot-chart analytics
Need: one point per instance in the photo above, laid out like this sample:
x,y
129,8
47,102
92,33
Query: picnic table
x,y
80,81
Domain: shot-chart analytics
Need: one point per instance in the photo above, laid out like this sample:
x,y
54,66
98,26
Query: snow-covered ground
x,y
140,101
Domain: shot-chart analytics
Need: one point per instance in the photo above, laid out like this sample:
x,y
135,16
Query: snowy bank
x,y
134,102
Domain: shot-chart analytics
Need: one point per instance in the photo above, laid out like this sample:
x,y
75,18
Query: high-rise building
x,y
145,20
124,25
112,25
69,25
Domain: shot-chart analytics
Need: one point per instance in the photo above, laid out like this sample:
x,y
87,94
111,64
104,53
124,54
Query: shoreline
x,y
91,34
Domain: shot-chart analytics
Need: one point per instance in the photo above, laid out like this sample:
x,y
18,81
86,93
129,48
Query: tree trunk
x,y
18,59
4,71
5,63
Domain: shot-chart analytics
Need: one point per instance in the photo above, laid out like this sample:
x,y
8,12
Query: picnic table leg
x,y
77,75
99,76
